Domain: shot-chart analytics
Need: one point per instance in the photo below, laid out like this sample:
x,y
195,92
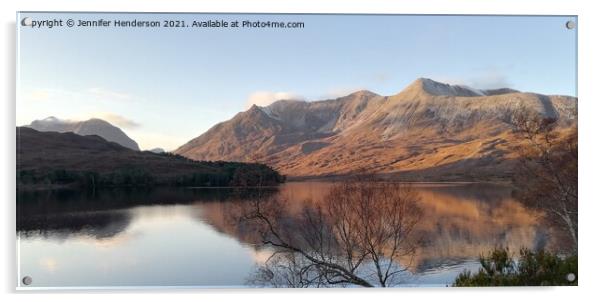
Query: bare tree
x,y
546,176
357,236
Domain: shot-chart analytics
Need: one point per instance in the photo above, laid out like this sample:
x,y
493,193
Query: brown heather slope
x,y
46,159
52,150
428,131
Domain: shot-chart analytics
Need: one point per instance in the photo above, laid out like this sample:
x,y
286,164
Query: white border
x,y
590,109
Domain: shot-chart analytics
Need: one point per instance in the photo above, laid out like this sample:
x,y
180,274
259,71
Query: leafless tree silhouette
x,y
356,236
546,176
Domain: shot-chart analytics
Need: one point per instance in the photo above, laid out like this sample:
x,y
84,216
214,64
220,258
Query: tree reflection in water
x,y
462,221
355,236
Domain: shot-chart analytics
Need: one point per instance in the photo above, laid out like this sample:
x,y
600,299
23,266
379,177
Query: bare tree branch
x,y
357,236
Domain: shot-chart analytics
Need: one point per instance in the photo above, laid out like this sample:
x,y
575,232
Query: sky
x,y
165,86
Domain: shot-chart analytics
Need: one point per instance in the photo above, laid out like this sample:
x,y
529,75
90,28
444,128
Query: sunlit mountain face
x,y
428,131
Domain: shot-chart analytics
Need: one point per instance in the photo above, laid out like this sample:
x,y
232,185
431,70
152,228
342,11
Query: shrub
x,y
539,268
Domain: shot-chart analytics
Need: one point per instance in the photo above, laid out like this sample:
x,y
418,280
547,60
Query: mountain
x,y
90,127
157,150
428,131
53,158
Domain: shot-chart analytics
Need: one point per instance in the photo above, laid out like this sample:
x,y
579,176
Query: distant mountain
x,y
157,150
429,131
52,158
90,127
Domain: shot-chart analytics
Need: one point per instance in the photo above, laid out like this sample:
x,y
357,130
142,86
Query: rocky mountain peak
x,y
462,129
434,88
429,87
93,126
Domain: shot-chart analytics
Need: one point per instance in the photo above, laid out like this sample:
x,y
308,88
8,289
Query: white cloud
x,y
113,118
264,98
118,120
490,79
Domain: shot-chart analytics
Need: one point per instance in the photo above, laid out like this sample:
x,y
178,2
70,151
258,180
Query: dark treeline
x,y
57,160
219,174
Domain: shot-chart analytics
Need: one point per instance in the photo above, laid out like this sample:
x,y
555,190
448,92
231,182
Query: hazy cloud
x,y
340,92
118,120
264,98
490,79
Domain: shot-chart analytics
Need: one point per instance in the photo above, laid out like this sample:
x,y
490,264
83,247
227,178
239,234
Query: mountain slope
x,y
428,131
52,158
90,127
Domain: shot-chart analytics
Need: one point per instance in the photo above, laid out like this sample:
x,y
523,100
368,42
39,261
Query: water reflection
x,y
105,213
195,236
460,221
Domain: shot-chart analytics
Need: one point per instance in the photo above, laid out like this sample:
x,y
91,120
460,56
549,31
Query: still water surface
x,y
187,237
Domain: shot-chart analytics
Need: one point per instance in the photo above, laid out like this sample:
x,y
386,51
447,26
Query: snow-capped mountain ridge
x,y
435,88
384,134
93,126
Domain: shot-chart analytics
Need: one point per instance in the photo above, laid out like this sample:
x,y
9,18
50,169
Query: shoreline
x,y
56,187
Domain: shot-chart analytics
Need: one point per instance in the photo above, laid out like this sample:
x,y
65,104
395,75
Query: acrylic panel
x,y
295,150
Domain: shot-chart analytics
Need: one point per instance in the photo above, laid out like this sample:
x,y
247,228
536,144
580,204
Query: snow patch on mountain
x,y
92,126
437,88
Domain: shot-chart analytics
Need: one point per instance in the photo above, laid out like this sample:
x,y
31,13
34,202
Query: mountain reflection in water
x,y
195,237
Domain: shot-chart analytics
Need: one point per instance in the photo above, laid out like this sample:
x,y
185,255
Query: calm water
x,y
190,237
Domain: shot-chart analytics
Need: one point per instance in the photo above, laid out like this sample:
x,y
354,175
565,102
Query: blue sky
x,y
166,86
